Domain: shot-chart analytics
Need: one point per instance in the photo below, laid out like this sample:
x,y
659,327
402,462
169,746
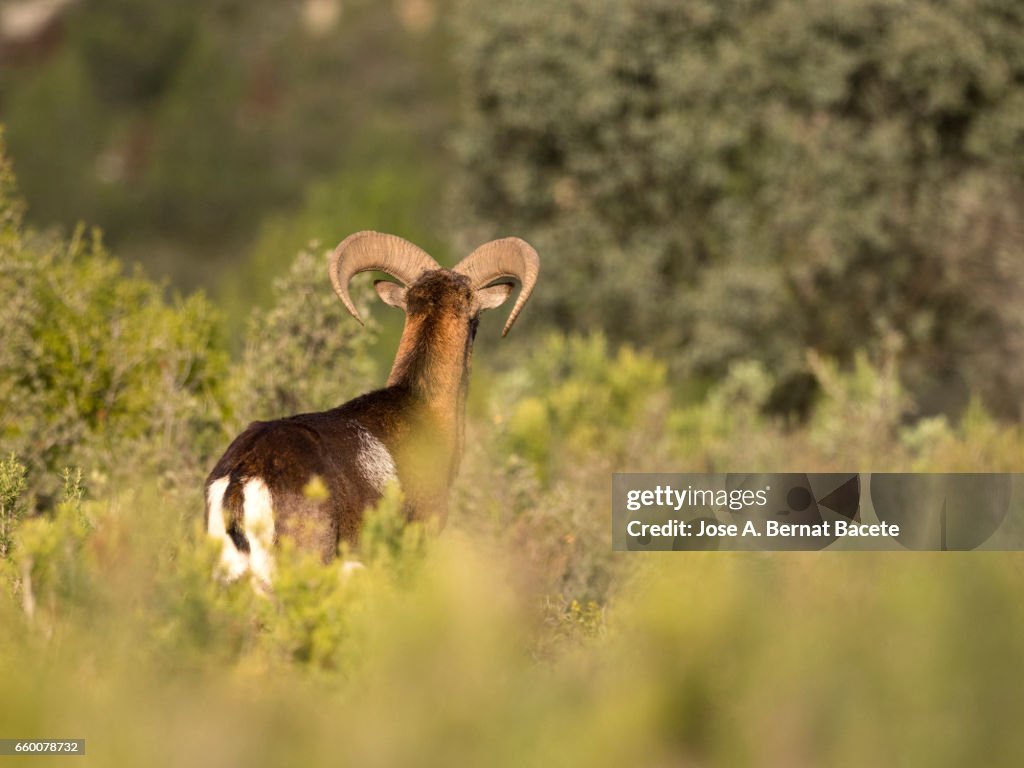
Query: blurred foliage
x,y
714,188
179,127
389,188
747,180
706,658
133,68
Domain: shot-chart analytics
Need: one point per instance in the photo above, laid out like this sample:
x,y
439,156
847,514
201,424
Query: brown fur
x,y
418,417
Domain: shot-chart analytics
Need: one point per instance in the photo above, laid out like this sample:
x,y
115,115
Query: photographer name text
x,y
767,528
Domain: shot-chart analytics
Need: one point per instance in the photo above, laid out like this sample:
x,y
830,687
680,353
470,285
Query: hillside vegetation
x,y
749,179
775,236
515,637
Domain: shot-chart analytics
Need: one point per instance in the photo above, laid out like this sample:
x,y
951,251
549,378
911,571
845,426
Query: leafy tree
x,y
749,179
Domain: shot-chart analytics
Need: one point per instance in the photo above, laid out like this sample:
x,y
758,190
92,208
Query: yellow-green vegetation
x,y
776,236
439,653
515,636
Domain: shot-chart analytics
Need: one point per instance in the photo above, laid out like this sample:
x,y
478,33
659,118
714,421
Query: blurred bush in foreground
x,y
707,659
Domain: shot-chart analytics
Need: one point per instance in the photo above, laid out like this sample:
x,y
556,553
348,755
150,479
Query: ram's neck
x,y
433,364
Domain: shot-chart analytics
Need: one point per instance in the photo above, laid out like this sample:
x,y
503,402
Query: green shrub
x,y
861,421
572,394
54,573
541,448
306,353
97,366
12,503
728,428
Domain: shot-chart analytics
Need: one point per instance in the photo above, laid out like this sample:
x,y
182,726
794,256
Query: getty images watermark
x,y
817,511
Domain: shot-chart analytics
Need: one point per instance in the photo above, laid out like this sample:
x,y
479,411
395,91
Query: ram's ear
x,y
492,297
390,293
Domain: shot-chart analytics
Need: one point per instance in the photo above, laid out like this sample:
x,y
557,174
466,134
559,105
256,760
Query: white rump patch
x,y
232,562
259,528
374,461
257,524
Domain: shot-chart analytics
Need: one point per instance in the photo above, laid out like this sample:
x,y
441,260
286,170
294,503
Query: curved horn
x,y
508,257
365,251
